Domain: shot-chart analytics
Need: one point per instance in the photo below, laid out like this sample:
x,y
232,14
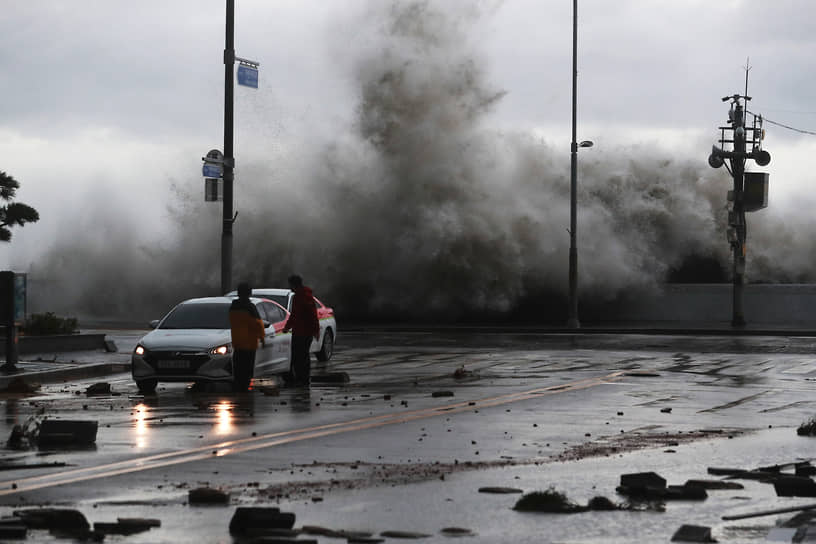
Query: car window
x,y
198,316
275,312
262,312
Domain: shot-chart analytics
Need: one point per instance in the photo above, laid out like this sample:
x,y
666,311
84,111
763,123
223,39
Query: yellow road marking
x,y
231,447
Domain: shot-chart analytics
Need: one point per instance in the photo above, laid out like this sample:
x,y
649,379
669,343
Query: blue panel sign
x,y
211,171
247,76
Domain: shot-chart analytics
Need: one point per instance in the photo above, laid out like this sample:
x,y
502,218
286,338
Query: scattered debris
x,y
403,534
650,486
770,512
207,495
436,394
550,501
693,533
714,484
602,503
66,432
126,526
460,373
808,428
500,490
666,410
457,531
53,519
794,486
101,388
249,518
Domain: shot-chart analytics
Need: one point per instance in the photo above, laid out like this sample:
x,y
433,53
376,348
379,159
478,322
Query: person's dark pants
x,y
243,368
301,362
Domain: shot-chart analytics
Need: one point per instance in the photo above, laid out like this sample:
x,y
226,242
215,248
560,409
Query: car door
x,y
266,353
281,343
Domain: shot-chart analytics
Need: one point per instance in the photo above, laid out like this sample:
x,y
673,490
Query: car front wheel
x,y
327,348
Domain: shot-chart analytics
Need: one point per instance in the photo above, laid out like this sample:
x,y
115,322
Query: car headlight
x,y
140,350
221,350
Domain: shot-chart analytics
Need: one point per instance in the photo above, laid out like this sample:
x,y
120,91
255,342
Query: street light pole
x,y
229,160
572,319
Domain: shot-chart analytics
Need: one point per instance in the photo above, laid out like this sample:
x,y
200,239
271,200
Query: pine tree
x,y
13,213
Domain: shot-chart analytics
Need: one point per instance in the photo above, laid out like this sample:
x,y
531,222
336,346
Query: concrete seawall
x,y
763,304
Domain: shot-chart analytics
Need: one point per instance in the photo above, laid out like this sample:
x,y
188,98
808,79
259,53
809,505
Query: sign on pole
x,y
248,76
211,170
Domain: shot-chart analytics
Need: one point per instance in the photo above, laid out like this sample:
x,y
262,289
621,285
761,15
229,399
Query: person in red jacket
x,y
247,329
304,325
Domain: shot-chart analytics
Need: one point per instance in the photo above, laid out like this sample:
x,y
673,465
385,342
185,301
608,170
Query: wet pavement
x,y
426,420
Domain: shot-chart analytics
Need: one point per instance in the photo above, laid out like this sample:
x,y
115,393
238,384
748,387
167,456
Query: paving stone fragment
x,y
53,518
602,503
207,495
641,480
805,469
714,484
794,486
456,531
66,432
408,535
259,517
684,493
693,533
101,388
116,528
500,490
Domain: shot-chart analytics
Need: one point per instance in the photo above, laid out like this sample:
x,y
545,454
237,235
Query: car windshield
x,y
208,315
280,299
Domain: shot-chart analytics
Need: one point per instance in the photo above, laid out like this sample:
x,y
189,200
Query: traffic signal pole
x,y
738,247
229,160
743,198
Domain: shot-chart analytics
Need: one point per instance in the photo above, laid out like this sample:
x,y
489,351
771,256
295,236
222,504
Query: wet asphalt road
x,y
383,452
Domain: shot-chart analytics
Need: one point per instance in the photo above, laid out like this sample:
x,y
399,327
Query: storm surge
x,y
420,208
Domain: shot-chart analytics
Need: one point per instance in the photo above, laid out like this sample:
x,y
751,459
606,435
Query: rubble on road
x,y
693,533
247,519
66,432
207,495
101,388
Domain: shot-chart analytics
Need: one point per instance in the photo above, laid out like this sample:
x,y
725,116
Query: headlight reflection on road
x,y
140,425
223,412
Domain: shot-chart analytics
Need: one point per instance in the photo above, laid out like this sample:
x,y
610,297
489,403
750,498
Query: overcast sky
x,y
115,100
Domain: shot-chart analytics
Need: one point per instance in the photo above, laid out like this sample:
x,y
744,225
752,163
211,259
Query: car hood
x,y
185,339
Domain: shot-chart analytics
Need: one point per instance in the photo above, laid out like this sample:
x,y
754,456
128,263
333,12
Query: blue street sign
x,y
211,171
247,76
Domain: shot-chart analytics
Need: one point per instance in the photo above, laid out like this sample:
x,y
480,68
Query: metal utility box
x,y
755,192
213,190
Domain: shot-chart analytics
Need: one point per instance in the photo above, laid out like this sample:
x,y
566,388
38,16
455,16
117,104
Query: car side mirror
x,y
153,324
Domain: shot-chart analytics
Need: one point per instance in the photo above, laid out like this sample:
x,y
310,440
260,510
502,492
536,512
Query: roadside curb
x,y
74,372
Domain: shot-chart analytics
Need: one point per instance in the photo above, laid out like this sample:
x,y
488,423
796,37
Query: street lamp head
x,y
586,143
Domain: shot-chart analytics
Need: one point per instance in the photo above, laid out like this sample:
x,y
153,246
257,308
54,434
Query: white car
x,y
324,347
193,343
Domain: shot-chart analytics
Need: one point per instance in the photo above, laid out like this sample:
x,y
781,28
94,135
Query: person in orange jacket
x,y
247,329
304,324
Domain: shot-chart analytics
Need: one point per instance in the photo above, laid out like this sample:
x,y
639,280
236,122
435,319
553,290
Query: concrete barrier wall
x,y
777,305
57,343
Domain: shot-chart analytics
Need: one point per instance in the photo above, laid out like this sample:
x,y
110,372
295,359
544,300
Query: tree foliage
x,y
13,213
